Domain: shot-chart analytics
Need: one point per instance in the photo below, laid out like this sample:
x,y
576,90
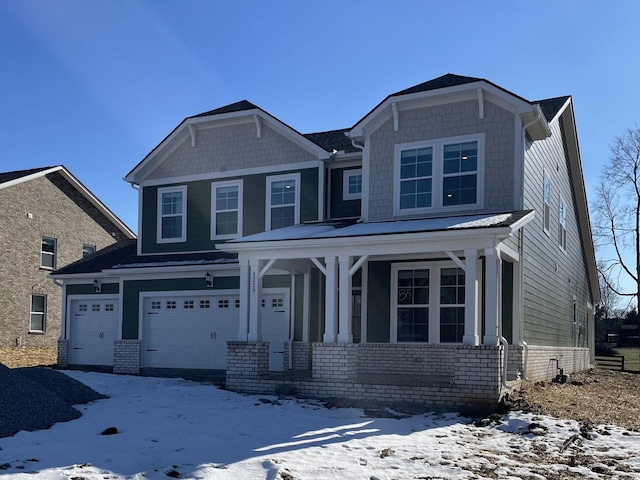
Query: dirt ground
x,y
28,357
591,397
595,396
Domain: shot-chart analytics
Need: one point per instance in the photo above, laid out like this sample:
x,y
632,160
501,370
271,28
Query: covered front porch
x,y
385,309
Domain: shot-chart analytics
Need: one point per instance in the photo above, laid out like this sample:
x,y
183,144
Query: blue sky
x,y
95,85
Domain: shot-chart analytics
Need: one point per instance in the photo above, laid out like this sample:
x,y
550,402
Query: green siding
x,y
378,302
199,210
340,208
507,301
87,289
298,308
316,310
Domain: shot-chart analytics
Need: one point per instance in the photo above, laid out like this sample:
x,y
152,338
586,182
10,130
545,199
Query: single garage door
x,y
189,331
93,328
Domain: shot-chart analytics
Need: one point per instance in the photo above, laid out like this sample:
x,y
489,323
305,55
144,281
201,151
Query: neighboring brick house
x,y
49,220
436,252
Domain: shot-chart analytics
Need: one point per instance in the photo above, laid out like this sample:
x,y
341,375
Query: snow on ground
x,y
176,428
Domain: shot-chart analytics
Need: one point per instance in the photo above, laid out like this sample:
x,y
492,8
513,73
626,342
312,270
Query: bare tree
x,y
617,215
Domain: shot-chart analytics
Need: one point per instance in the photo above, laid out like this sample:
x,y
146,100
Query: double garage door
x,y
193,331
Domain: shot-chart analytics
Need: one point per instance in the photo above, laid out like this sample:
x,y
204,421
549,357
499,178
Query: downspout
x,y
523,343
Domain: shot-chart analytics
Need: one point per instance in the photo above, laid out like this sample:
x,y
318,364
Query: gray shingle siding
x,y
443,121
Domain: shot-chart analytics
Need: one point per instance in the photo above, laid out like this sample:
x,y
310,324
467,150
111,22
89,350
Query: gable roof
x,y
333,140
9,179
240,106
552,106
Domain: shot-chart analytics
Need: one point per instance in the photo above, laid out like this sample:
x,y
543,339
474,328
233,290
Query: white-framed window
x,y
226,210
562,225
352,184
283,201
48,247
546,199
427,303
88,250
38,313
443,174
172,214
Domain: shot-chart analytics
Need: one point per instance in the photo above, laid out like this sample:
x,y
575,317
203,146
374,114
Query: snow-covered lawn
x,y
175,428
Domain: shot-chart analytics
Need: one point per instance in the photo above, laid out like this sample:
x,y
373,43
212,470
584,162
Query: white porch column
x,y
491,300
344,311
255,290
330,304
243,328
471,318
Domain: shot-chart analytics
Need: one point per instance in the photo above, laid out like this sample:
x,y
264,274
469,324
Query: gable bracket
x,y
319,265
192,133
354,268
456,259
258,122
480,104
394,109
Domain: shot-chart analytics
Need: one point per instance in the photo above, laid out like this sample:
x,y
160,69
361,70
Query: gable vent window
x,y
48,253
88,250
172,216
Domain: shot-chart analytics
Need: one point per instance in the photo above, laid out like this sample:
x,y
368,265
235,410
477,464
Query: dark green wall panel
x,y
87,289
378,302
340,208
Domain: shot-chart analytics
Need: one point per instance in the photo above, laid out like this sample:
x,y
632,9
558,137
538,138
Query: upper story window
x,y
226,221
172,214
283,201
546,198
352,184
38,313
562,225
48,253
443,174
88,250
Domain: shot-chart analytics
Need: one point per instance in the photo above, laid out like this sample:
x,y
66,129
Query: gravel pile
x,y
36,398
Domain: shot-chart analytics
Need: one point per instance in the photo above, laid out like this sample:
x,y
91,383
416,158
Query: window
x,y
95,307
547,202
188,304
427,302
88,250
452,298
283,201
352,184
48,253
204,304
412,297
226,210
108,307
82,307
37,321
438,175
156,305
277,302
171,305
223,303
172,214
562,225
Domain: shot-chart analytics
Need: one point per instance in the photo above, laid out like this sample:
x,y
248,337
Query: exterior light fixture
x,y
208,280
96,286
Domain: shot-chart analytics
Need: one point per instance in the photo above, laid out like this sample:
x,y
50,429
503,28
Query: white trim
x,y
231,183
183,214
242,172
437,174
295,176
346,175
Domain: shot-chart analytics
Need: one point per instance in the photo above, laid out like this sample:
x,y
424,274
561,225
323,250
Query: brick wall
x,y
542,365
126,357
43,207
63,353
301,356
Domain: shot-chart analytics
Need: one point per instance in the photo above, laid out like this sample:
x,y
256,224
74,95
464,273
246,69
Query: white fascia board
x,y
562,109
374,244
82,189
172,270
33,176
467,91
233,173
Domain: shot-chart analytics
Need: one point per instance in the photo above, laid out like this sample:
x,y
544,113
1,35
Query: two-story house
x,y
49,220
435,252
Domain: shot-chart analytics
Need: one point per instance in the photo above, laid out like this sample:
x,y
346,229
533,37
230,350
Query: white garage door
x,y
189,331
93,328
